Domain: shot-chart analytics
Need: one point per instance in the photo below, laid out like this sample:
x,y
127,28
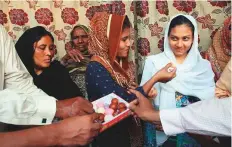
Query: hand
x,y
143,108
159,127
221,93
164,75
152,93
78,130
133,86
72,107
75,54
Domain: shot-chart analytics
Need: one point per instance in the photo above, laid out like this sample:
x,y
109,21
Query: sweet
x,y
101,117
101,110
109,111
108,117
121,105
113,106
114,101
100,104
170,69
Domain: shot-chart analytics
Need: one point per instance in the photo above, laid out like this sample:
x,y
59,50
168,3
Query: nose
x,y
80,39
48,52
128,42
179,44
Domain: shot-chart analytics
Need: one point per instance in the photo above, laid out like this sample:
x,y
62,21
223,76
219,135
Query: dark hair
x,y
25,45
126,23
180,20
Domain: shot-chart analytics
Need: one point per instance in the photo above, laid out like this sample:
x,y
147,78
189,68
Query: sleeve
x,y
18,79
208,117
148,71
100,83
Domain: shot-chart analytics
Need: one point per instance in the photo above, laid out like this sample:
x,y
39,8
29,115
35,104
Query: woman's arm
x,y
163,75
100,83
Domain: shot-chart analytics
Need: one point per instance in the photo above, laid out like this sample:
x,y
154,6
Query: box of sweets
x,y
113,109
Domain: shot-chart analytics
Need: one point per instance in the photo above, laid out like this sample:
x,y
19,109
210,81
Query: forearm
x,y
149,84
39,136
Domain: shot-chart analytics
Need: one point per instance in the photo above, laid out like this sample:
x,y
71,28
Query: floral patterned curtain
x,y
149,18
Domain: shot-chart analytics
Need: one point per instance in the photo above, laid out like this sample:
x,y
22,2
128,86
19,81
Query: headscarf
x,y
219,53
72,65
25,46
194,76
104,39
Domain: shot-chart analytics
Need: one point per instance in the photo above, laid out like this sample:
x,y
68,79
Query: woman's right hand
x,y
75,54
221,93
166,74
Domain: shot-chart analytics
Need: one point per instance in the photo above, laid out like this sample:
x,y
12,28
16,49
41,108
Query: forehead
x,y
181,30
126,32
45,40
79,31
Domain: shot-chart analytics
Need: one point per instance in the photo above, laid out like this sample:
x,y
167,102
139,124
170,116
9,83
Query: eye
x,y
174,38
42,47
185,38
125,38
51,47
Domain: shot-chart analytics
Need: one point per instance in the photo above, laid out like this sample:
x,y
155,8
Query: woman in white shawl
x,y
194,76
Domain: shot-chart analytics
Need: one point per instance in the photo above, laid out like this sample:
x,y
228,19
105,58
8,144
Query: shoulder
x,y
57,66
93,65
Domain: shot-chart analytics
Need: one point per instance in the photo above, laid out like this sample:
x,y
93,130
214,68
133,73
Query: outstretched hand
x,y
72,107
143,108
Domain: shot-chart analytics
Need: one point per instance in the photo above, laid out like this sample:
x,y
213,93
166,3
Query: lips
x,y
47,60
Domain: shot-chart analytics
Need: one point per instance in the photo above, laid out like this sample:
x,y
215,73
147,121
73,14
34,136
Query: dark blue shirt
x,y
100,83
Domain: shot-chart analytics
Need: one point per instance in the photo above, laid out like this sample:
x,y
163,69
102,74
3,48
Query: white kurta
x,y
21,102
209,117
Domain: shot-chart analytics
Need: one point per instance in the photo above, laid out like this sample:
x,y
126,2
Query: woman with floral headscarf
x,y
194,76
110,71
219,54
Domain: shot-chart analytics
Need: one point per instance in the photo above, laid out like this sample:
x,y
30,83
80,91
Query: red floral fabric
x,y
184,5
44,16
3,18
69,15
142,8
143,46
18,17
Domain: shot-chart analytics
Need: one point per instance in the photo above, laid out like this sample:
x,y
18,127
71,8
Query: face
x,y
80,39
44,52
125,43
180,40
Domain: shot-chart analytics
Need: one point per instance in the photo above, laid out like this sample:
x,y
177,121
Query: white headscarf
x,y
193,77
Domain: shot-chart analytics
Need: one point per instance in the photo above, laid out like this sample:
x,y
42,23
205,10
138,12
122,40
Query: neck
x,y
180,59
38,71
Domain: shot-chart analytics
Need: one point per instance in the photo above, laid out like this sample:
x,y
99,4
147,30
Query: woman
x,y
36,49
194,76
219,53
77,57
110,71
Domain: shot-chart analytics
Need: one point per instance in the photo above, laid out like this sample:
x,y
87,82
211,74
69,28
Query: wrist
x,y
155,117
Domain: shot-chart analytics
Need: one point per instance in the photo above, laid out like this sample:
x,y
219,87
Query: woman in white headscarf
x,y
194,77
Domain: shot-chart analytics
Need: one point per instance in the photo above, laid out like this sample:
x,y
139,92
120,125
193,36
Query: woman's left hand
x,y
133,86
152,93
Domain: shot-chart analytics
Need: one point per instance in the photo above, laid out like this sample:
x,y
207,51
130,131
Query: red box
x,y
107,101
